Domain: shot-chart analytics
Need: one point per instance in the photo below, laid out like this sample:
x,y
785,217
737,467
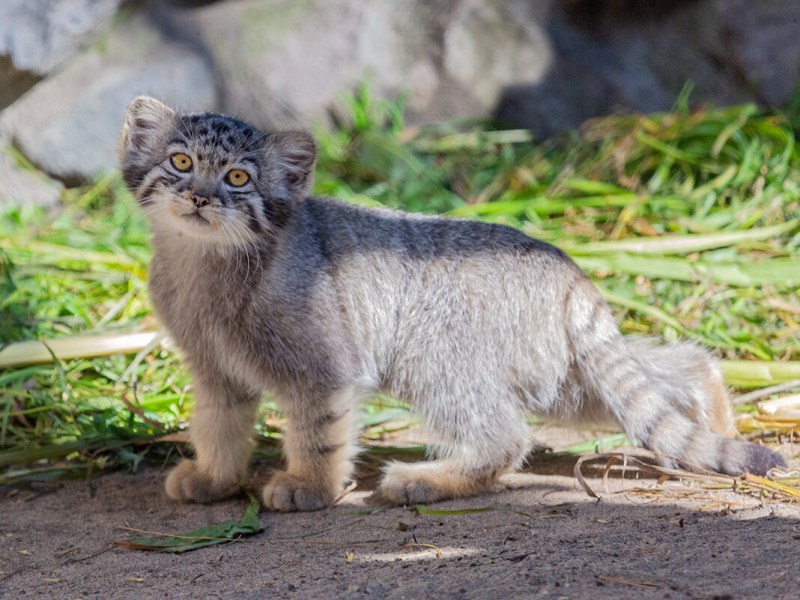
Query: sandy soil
x,y
545,538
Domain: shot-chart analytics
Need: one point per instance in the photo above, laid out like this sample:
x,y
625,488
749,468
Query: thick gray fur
x,y
323,303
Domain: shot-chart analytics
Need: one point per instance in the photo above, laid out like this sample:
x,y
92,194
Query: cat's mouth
x,y
196,217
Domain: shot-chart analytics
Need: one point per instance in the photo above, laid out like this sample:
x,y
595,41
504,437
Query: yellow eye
x,y
237,177
181,161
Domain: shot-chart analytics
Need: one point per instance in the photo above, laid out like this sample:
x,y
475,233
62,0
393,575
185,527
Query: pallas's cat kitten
x,y
322,303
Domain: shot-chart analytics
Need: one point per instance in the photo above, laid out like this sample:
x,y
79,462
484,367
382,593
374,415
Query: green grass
x,y
688,221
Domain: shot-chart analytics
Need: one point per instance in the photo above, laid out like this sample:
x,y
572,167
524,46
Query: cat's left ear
x,y
291,155
145,121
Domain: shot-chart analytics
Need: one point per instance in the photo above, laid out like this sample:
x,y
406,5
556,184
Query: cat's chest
x,y
200,303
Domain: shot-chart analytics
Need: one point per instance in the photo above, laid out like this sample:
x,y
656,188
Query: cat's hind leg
x,y
477,446
220,432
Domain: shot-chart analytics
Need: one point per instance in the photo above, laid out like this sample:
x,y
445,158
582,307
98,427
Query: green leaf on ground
x,y
220,533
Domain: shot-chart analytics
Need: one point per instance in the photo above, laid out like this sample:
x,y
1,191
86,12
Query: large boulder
x,y
68,124
763,46
544,65
274,62
286,64
637,56
21,187
38,36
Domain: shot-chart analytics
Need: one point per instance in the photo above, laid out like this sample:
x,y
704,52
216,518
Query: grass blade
x,y
682,244
32,352
775,271
754,374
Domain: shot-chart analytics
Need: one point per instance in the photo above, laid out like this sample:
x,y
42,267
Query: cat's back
x,y
339,230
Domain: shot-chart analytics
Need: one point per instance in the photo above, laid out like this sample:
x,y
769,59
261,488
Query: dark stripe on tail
x,y
640,402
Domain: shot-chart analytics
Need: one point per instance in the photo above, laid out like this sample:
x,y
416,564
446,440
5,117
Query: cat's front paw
x,y
188,483
287,493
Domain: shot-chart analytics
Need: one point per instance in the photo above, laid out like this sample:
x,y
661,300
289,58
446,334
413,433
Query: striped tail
x,y
667,398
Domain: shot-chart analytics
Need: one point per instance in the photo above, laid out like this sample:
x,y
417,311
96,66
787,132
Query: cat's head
x,y
212,177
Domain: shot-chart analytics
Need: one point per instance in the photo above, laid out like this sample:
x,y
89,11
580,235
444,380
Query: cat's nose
x,y
199,200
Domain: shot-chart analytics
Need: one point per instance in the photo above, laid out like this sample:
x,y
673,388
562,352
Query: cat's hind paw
x,y
287,493
420,483
188,483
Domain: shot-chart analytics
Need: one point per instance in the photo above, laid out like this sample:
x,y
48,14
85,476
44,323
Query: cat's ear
x,y
291,156
145,121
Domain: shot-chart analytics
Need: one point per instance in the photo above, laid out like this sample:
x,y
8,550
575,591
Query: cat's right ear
x,y
145,120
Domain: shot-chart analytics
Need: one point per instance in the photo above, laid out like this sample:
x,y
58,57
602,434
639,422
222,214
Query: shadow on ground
x,y
543,538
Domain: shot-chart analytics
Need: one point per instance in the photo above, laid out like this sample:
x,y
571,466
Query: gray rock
x,y
21,187
636,56
68,124
764,40
283,64
486,49
540,64
37,36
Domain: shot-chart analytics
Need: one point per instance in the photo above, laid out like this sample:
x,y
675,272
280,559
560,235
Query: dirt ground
x,y
544,538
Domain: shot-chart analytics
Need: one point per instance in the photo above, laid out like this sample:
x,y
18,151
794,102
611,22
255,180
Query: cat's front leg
x,y
319,446
221,432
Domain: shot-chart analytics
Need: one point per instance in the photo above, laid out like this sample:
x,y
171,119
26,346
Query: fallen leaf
x,y
210,535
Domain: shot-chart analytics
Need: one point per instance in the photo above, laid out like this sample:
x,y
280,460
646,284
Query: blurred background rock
x,y
68,68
